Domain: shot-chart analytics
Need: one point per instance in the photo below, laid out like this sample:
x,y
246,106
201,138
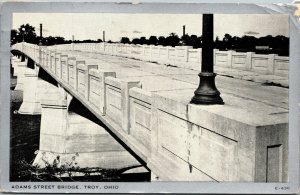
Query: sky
x,y
91,25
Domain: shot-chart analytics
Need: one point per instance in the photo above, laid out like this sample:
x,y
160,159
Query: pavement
x,y
158,78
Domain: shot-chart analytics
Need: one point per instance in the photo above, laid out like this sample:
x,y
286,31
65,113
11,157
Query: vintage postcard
x,y
120,98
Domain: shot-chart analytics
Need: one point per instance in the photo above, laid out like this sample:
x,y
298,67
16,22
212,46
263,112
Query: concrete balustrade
x,y
271,64
140,119
281,65
72,64
48,58
64,67
82,78
60,60
52,61
186,135
97,88
57,63
244,140
187,57
117,100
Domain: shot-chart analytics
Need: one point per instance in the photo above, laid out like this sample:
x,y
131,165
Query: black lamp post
x,y
207,93
104,36
41,34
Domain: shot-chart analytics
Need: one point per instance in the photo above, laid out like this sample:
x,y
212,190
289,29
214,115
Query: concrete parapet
x,y
52,61
181,56
219,143
60,62
97,88
83,79
125,87
271,63
117,100
281,66
140,119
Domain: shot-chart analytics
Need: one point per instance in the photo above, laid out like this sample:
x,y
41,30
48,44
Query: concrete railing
x,y
271,64
187,57
169,135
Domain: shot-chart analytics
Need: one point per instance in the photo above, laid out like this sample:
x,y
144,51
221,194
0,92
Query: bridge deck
x,y
158,78
162,128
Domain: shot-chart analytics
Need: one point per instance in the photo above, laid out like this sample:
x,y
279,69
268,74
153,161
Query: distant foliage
x,y
263,45
27,33
125,40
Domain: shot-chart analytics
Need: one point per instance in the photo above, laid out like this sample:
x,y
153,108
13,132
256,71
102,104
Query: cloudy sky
x,y
90,25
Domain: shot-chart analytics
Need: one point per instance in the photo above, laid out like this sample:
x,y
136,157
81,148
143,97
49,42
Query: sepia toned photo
x,y
149,97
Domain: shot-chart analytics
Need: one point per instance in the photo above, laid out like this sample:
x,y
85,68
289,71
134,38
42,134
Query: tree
x,y
249,42
153,40
218,43
198,41
185,39
125,40
135,41
172,40
143,40
227,41
27,32
14,36
162,40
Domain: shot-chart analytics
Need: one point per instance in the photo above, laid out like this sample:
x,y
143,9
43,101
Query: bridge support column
x,y
31,102
14,63
71,136
20,71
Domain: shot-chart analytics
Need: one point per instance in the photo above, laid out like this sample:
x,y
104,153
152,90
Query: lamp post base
x,y
207,93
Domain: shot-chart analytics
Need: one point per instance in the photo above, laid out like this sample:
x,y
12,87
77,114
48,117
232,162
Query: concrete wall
x,y
178,140
187,57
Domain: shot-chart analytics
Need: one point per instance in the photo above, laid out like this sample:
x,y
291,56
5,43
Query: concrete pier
x,y
31,103
20,68
14,61
68,134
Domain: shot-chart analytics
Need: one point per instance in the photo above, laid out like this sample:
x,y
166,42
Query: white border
x,y
159,187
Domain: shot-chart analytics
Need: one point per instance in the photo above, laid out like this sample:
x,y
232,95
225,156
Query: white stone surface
x,y
21,67
31,102
186,142
73,137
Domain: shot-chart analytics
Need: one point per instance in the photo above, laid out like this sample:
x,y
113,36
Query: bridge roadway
x,y
147,107
155,77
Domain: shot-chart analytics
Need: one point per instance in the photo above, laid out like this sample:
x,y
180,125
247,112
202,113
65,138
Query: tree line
x,y
264,45
27,33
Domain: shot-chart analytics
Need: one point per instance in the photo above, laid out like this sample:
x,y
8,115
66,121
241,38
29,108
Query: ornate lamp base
x,y
207,93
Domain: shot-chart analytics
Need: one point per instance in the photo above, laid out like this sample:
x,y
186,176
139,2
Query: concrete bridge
x,y
146,108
